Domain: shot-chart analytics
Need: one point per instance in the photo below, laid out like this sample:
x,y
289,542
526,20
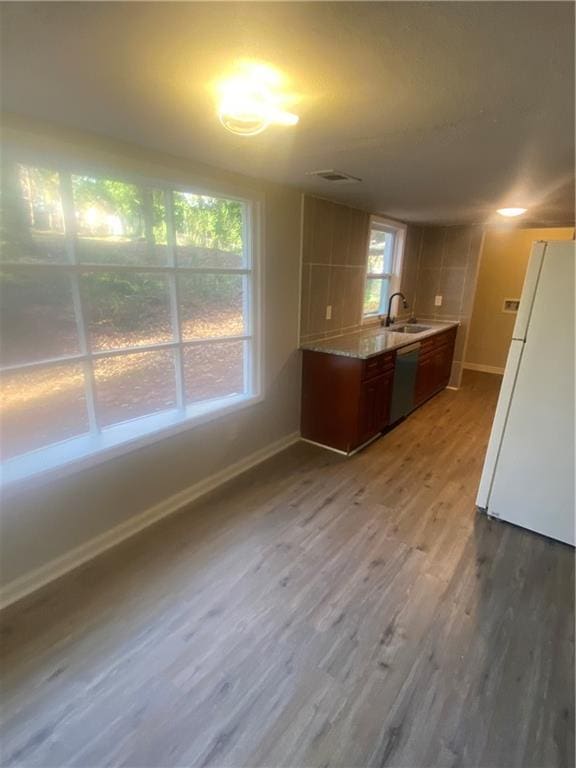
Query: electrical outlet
x,y
329,312
438,301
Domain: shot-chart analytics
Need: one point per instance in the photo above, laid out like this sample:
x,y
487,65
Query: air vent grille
x,y
336,177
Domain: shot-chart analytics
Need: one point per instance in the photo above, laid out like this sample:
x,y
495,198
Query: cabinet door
x,y
438,366
425,379
443,365
331,387
374,413
368,412
434,366
443,355
384,399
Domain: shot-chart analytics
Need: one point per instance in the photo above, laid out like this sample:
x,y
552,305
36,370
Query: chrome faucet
x,y
389,320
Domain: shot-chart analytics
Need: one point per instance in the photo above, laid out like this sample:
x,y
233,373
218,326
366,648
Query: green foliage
x,y
199,220
118,297
208,222
32,229
14,225
29,194
159,228
374,289
17,288
113,197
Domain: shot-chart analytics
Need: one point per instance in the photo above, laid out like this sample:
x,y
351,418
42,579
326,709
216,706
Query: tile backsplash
x,y
444,263
335,239
438,261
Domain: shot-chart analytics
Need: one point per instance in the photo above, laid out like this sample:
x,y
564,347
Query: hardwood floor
x,y
318,611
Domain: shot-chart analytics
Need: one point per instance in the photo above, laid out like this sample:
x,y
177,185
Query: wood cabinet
x,y
374,412
424,379
345,400
434,364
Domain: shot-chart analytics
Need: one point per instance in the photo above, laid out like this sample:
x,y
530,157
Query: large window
x,y
124,309
385,247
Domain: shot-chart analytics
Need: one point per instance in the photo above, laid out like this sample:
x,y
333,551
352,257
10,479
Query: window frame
x,y
102,443
398,230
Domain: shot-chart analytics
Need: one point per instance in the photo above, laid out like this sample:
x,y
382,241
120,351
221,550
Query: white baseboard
x,y
30,582
326,447
483,368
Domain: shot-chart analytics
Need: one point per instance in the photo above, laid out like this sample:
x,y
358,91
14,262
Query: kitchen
x,y
360,381
386,375
287,368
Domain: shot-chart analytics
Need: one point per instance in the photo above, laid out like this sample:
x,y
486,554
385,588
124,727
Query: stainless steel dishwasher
x,y
404,382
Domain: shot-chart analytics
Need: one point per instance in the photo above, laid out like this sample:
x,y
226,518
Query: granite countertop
x,y
374,341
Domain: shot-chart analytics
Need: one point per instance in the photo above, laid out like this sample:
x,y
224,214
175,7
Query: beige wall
x,y
41,523
501,275
443,261
333,267
410,266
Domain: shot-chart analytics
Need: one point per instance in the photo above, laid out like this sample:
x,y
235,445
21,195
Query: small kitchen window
x,y
384,265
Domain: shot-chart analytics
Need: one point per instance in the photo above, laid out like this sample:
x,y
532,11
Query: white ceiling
x,y
445,110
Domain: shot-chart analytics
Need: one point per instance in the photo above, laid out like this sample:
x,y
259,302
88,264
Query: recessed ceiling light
x,y
509,212
253,98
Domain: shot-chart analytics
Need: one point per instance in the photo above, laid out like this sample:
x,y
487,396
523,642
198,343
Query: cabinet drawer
x,y
433,343
426,353
446,337
427,345
374,366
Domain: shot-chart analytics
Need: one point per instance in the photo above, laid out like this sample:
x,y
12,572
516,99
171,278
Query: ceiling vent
x,y
337,177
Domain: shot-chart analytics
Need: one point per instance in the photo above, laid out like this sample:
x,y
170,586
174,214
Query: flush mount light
x,y
253,98
509,212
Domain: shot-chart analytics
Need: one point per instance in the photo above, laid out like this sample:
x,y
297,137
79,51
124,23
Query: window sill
x,y
372,319
76,454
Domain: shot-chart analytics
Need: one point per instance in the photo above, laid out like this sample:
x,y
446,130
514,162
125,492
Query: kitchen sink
x,y
413,328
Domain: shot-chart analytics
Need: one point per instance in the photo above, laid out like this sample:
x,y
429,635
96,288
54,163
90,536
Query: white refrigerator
x,y
529,475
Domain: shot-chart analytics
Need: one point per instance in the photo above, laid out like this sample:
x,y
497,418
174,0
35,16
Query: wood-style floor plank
x,y
317,611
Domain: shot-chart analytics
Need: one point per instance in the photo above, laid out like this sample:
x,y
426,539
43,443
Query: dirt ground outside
x,y
48,405
116,225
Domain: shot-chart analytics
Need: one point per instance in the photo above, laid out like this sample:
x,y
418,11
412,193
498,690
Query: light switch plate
x,y
438,301
329,312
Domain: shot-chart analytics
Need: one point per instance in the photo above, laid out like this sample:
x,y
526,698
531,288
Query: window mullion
x,y
74,275
148,212
174,306
95,355
94,267
379,275
248,304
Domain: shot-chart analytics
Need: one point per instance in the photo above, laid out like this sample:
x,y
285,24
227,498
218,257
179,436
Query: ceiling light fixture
x,y
252,99
509,212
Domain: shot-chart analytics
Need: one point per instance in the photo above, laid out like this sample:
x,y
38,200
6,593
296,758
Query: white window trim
x,y
399,230
101,444
70,456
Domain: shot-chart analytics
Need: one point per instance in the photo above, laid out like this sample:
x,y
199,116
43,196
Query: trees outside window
x,y
118,301
383,268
